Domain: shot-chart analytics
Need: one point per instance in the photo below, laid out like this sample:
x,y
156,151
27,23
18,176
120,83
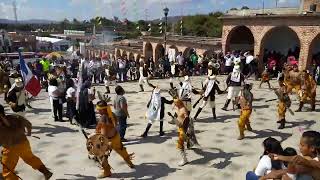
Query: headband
x,y
101,107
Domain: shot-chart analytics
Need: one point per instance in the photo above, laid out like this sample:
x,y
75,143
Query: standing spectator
x,y
71,101
122,69
55,96
121,111
86,107
228,63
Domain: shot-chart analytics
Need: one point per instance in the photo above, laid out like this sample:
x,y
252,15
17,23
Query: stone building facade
x,y
260,28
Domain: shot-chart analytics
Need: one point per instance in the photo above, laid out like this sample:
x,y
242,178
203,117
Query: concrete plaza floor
x,y
62,147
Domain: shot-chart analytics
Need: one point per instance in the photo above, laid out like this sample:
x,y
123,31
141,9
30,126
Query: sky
x,y
130,9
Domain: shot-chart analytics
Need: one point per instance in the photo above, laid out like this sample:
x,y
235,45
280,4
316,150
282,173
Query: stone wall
x,y
306,28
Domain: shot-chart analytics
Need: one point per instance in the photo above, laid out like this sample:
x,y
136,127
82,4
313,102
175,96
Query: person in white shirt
x,y
143,70
55,96
228,63
265,164
122,69
71,100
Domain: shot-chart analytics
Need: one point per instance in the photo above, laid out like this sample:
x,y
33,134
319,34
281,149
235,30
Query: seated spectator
x,y
266,164
307,165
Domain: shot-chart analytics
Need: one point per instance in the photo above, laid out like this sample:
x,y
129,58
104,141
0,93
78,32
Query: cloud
x,y
5,10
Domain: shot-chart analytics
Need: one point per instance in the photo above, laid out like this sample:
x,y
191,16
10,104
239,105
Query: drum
x,y
98,145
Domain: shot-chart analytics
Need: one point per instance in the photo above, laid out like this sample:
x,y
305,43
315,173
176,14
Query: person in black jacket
x,y
156,109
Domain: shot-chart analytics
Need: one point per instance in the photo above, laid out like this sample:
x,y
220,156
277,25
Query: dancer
x,y
185,93
143,74
210,88
234,82
284,102
156,110
246,99
182,121
308,91
13,138
16,97
265,78
107,127
110,78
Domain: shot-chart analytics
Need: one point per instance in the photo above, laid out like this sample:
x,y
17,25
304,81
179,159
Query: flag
x,y
31,83
149,25
138,28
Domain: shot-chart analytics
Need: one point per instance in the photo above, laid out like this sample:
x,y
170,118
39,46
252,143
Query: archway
x,y
118,53
148,50
138,58
187,53
175,48
279,43
314,51
159,52
131,57
240,38
124,54
209,54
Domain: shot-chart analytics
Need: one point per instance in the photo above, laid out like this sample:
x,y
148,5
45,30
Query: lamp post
x,y
166,12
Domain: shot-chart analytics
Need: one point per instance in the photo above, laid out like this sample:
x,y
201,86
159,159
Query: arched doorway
x,y
279,43
118,53
124,54
138,58
187,53
159,52
148,51
314,51
175,48
240,38
209,54
131,57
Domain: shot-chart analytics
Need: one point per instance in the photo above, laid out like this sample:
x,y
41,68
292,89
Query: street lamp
x,y
166,12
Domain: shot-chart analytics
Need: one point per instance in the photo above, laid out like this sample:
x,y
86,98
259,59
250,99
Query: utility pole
x,y
14,5
276,3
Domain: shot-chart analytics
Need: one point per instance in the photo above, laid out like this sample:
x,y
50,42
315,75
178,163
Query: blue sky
x,y
131,9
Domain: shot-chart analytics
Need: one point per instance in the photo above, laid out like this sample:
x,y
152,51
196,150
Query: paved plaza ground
x,y
62,147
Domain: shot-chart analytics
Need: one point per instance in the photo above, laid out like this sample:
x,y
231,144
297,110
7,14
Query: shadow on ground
x,y
220,119
52,130
38,111
80,177
269,133
152,139
147,171
306,124
215,154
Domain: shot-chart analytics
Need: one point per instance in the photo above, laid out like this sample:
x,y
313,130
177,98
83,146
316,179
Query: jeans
x,y
251,176
122,127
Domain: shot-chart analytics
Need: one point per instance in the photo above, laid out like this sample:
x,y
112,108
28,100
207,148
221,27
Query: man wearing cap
x,y
107,127
234,82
